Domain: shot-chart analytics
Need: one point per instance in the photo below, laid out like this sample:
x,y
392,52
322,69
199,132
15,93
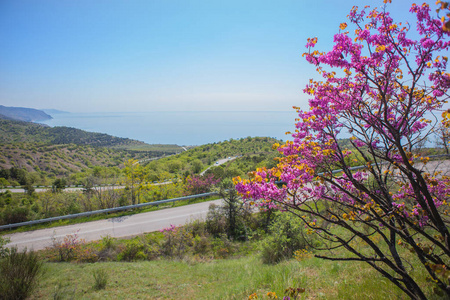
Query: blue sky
x,y
165,55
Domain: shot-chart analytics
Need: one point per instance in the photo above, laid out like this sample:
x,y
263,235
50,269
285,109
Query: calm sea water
x,y
181,128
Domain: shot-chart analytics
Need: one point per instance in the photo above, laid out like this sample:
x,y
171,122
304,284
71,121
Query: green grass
x,y
202,277
218,279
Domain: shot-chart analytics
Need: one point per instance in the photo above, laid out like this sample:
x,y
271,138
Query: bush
x,y
100,279
19,272
108,242
87,254
108,249
222,247
133,250
16,214
178,241
201,245
197,228
216,223
72,249
4,251
231,218
286,236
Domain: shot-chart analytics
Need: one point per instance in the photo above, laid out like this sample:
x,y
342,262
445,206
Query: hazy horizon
x,y
181,128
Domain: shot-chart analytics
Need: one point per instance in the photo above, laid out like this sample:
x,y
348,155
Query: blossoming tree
x,y
383,89
198,184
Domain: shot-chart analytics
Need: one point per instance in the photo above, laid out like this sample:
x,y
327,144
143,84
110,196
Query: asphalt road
x,y
115,227
218,163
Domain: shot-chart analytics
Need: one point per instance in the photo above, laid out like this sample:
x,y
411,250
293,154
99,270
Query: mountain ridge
x,y
23,114
61,151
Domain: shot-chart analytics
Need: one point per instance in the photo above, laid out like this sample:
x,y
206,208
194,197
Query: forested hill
x,y
17,131
23,114
61,151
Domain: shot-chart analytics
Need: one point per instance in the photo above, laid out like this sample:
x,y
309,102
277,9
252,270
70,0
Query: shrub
x,y
198,184
201,244
19,274
302,254
233,217
133,250
69,248
16,214
4,251
87,254
177,241
107,254
197,228
286,236
108,248
222,247
100,279
108,242
216,222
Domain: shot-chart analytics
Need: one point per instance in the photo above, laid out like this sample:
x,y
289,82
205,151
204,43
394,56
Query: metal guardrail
x,y
374,164
107,210
279,182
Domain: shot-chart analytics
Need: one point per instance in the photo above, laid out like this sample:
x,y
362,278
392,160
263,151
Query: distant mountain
x,y
23,114
6,117
51,111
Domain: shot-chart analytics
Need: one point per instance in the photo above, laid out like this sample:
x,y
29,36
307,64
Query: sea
x,y
182,128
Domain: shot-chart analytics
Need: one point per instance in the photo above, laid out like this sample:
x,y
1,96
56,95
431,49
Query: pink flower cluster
x,y
171,228
198,184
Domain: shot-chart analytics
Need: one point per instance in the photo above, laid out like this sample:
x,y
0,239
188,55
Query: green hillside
x,y
251,152
61,151
17,131
64,151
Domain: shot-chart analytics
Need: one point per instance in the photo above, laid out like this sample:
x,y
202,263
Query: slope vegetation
x,y
65,150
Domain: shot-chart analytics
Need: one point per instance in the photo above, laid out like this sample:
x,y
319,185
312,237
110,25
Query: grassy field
x,y
237,277
216,279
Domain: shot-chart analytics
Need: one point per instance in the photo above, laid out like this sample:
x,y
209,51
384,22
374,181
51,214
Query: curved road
x,y
114,227
218,163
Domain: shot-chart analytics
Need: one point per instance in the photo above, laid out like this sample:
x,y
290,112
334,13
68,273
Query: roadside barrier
x,y
107,210
280,182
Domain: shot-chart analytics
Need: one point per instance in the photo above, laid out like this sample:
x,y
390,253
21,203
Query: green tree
x,y
197,166
4,183
58,185
135,179
175,166
234,210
